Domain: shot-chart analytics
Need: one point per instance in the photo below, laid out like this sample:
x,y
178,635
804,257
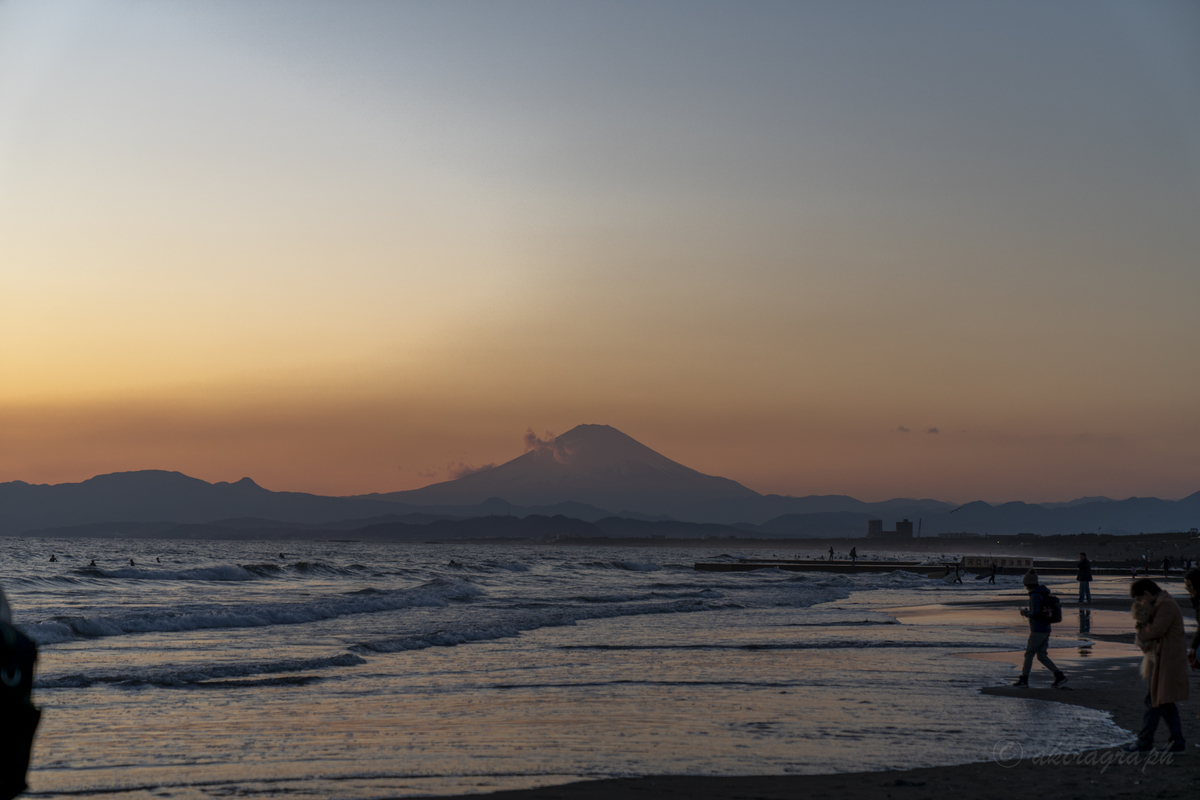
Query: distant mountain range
x,y
592,480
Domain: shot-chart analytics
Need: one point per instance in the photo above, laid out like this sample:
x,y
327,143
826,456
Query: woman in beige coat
x,y
1160,633
1191,582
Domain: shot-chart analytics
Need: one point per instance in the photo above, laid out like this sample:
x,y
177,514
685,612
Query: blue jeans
x,y
1036,646
1168,712
1085,592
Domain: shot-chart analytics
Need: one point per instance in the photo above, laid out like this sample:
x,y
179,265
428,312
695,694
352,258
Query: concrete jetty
x,y
803,565
972,566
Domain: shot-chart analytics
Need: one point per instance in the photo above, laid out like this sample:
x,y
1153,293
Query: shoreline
x,y
1106,681
1105,773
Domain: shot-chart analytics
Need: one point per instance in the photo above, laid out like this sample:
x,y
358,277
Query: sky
x,y
882,249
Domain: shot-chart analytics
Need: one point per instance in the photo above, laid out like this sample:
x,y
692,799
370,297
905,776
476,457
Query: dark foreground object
x,y
18,717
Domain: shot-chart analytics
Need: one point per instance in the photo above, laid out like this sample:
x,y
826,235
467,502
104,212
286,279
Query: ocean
x,y
351,670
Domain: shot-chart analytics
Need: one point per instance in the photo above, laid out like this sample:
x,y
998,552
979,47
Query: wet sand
x,y
1103,677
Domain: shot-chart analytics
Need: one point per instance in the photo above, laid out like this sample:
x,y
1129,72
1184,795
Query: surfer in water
x,y
131,563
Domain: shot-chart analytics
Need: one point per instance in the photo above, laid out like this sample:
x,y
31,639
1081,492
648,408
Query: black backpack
x,y
20,719
1051,609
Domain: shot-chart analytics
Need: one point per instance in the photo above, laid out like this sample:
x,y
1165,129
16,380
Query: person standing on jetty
x,y
1084,576
1160,635
1039,632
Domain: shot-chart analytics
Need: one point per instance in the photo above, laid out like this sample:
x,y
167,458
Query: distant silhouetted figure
x,y
93,563
1084,576
1166,566
52,558
853,555
992,577
157,560
281,555
831,554
452,563
131,563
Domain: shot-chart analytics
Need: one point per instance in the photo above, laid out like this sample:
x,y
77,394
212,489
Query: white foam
x,y
179,675
436,593
638,566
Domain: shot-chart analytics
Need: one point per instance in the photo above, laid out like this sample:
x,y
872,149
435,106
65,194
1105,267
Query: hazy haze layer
x,y
353,247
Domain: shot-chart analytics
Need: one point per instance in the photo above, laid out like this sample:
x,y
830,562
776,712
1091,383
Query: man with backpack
x,y
1044,609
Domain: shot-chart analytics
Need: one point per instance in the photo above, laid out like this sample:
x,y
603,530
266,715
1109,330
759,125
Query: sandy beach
x,y
1102,677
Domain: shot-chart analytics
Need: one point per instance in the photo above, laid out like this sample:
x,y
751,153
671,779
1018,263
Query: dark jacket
x,y
1085,570
1036,623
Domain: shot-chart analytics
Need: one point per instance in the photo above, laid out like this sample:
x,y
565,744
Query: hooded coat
x,y
1036,600
1164,632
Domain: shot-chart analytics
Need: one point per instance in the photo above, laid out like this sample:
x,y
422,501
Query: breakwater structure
x,y
1005,565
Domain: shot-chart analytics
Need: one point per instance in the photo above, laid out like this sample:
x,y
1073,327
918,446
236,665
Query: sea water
x,y
353,670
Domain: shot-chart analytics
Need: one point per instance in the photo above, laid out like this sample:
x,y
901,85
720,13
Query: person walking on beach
x,y
1191,582
992,577
1084,576
831,552
1166,566
1038,614
853,555
1160,635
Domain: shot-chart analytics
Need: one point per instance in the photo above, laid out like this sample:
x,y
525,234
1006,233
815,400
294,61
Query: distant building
x,y
904,530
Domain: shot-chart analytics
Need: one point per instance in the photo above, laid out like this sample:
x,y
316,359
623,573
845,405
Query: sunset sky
x,y
883,249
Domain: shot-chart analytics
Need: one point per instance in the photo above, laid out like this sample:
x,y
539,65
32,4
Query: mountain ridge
x,y
591,473
594,464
